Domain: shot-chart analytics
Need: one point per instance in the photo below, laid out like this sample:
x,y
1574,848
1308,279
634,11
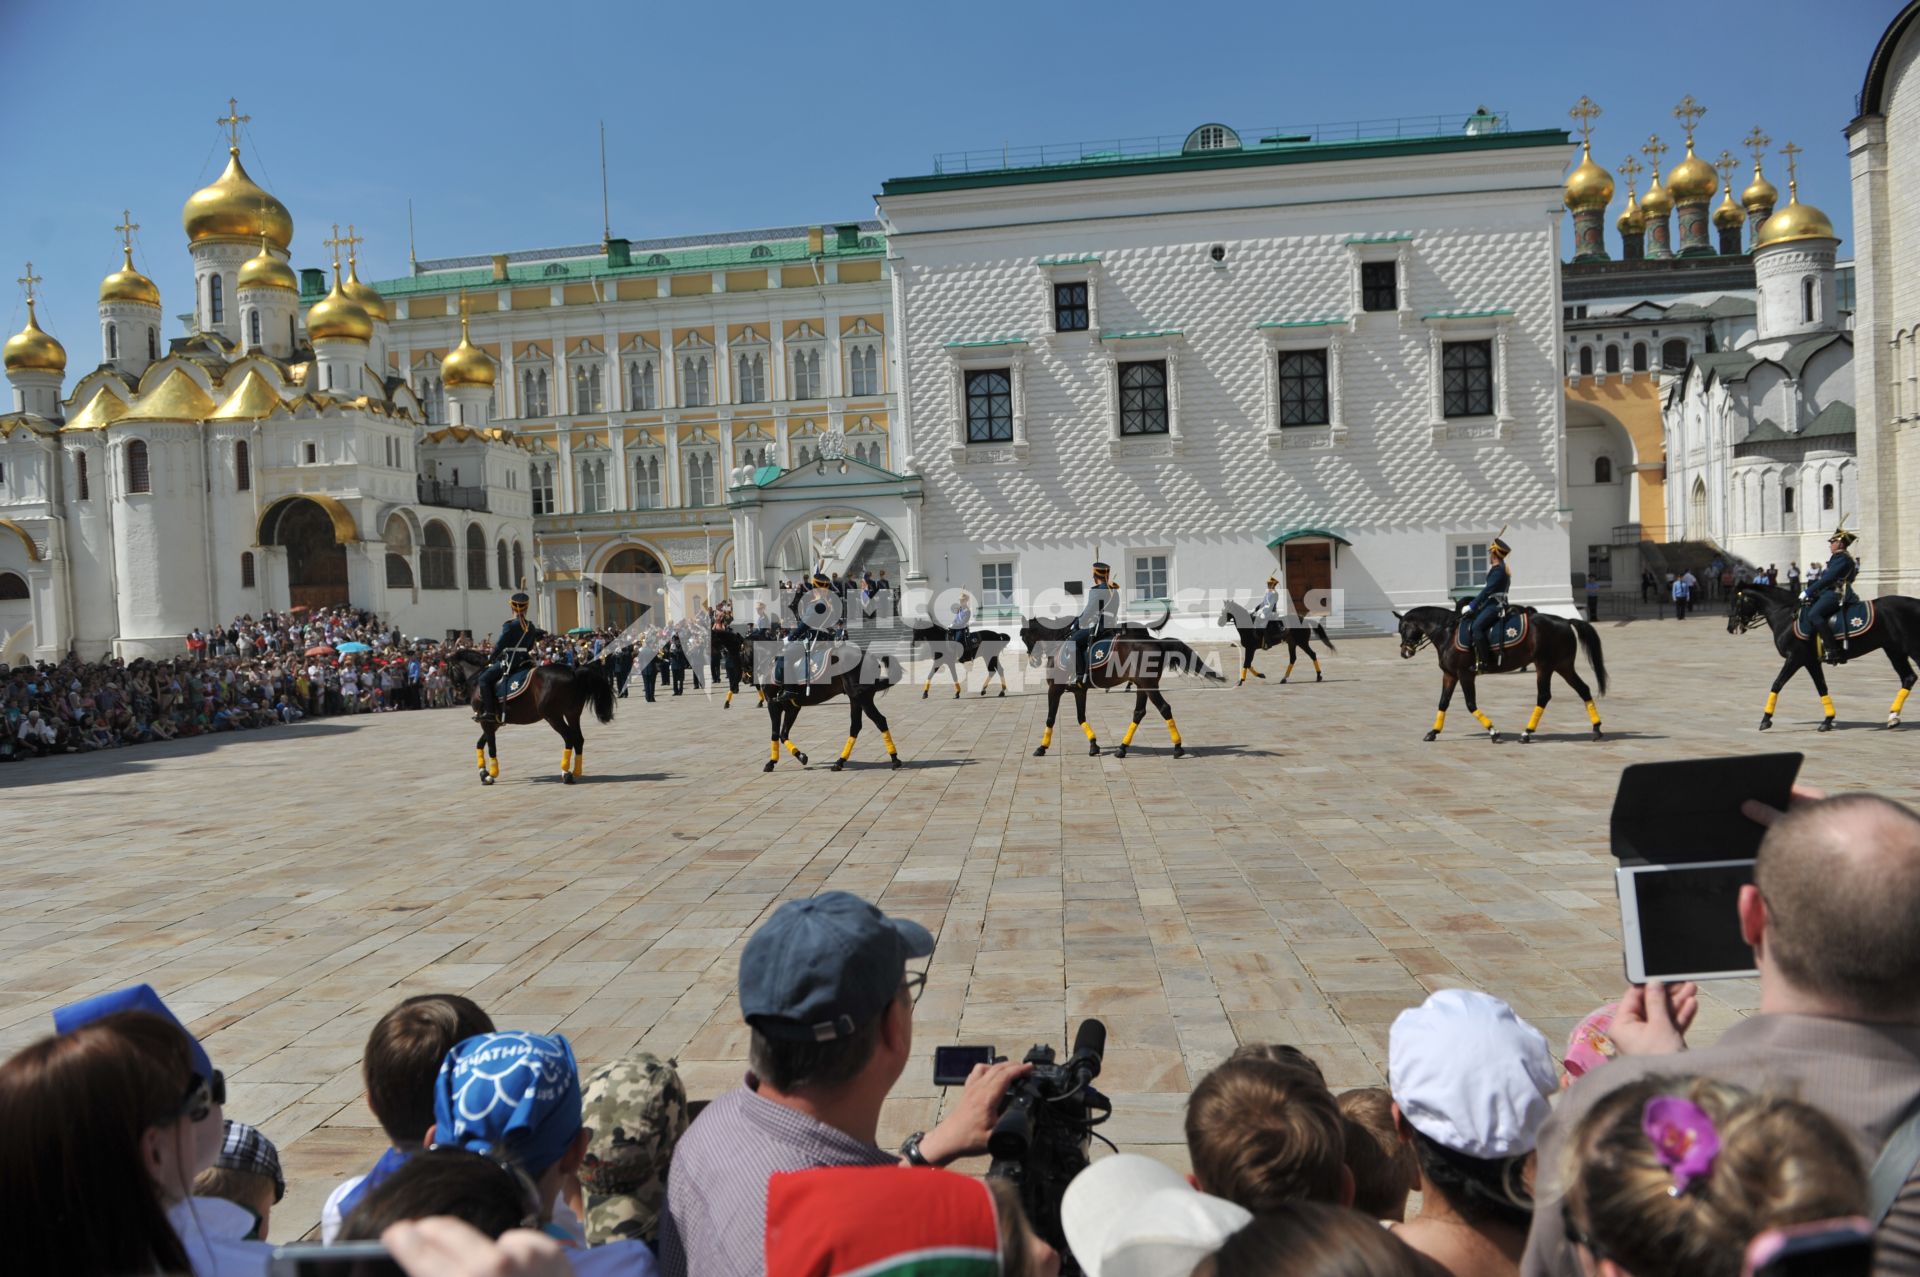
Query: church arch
x,y
476,557
399,539
316,552
1673,354
13,587
437,568
628,586
1697,511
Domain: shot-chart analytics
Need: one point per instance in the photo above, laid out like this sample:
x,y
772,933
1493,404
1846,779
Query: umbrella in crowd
x,y
580,629
346,648
321,650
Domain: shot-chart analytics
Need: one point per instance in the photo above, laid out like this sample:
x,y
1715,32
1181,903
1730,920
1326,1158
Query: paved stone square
x,y
1309,870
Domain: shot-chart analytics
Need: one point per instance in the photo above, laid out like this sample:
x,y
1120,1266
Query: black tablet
x,y
1689,811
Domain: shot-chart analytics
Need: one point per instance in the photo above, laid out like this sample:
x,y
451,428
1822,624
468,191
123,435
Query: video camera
x,y
1041,1140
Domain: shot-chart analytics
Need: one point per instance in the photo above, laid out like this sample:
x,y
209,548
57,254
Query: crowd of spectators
x,y
1787,1146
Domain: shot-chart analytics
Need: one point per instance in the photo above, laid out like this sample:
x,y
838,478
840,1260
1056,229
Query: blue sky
x,y
723,117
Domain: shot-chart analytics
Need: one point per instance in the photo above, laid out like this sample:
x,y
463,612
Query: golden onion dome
x,y
1693,180
1658,203
1632,221
235,208
1729,216
129,285
32,350
338,316
264,270
368,296
466,364
1760,193
1589,186
1794,223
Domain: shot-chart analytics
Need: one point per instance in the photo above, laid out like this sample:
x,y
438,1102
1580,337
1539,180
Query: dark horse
x,y
558,694
938,640
1896,631
1136,658
1294,631
846,670
1550,646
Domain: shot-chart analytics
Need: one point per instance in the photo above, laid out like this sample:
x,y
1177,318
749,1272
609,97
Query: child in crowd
x,y
246,1173
1385,1171
1261,1132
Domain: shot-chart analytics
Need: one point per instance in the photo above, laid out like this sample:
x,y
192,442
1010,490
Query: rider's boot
x,y
1482,656
1836,646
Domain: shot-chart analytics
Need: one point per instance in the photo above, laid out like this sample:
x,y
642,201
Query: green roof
x,y
1302,323
1836,420
1727,365
1102,164
1297,534
1076,259
1469,314
1378,239
986,341
645,264
1139,334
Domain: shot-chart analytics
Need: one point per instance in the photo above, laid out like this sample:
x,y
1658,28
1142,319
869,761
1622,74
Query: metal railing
x,y
445,495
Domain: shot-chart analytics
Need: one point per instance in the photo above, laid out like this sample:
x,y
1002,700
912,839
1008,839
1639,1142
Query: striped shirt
x,y
715,1222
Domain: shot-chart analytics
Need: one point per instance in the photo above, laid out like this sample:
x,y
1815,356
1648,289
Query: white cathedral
x,y
265,462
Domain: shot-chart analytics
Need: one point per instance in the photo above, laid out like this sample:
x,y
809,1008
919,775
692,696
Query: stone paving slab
x,y
1308,871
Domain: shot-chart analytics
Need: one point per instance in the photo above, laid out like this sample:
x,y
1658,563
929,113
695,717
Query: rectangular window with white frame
x,y
996,584
1469,564
1303,388
1070,312
1143,397
1466,384
989,405
1150,577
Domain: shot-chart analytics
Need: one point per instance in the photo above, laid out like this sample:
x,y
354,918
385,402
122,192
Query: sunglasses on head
x,y
202,1094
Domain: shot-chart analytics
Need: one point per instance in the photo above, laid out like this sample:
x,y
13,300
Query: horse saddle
x,y
1853,619
814,663
515,683
1097,653
1512,627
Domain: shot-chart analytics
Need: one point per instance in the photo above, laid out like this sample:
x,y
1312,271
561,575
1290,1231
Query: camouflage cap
x,y
635,1110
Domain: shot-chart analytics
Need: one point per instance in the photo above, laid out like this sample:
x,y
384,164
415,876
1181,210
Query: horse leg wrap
x,y
927,686
579,761
887,738
791,748
1534,720
1289,673
1773,699
728,703
493,768
1088,729
566,760
1483,720
480,755
1173,731
1046,736
1243,673
774,752
1899,699
1316,665
1439,719
1826,703
1126,739
1593,713
846,750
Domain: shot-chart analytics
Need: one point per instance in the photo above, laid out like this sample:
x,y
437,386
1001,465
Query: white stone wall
x,y
1399,493
1781,275
161,568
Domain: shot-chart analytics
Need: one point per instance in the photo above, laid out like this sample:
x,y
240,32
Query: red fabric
x,y
845,1219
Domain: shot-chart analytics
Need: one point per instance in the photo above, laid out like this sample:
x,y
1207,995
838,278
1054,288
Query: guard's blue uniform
x,y
815,613
1486,605
1097,615
510,650
1829,591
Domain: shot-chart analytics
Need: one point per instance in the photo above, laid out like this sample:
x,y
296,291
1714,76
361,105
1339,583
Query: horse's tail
x,y
1320,632
1590,640
1184,660
599,685
1166,614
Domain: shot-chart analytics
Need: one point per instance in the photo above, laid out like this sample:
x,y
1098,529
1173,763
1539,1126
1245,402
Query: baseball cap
x,y
516,1092
819,969
246,1148
137,997
635,1111
1469,1074
1131,1216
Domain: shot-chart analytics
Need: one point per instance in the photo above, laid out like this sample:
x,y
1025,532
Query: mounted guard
x,y
1483,613
513,649
1828,595
1268,608
816,614
1102,606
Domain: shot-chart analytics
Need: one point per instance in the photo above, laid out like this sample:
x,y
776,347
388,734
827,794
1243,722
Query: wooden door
x,y
1309,570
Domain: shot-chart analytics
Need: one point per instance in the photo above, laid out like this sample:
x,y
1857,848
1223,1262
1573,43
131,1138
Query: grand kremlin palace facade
x,y
1206,359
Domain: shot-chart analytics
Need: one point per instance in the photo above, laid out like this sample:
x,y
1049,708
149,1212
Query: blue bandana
x,y
390,1161
515,1092
139,997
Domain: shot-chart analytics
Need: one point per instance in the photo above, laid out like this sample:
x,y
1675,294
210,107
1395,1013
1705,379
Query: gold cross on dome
x,y
29,279
1688,113
1726,164
1653,150
351,240
1586,111
1792,153
334,242
1630,168
1757,142
126,228
232,121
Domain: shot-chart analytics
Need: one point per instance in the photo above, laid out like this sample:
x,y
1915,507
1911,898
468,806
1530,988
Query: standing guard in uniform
x,y
1097,615
1268,608
1829,593
510,651
1484,612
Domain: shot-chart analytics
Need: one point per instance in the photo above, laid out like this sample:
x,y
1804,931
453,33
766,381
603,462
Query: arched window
x,y
519,568
593,485
153,343
1826,496
1806,300
476,557
138,478
1673,354
113,341
242,466
646,482
640,389
696,390
699,466
253,328
216,301
246,569
13,586
79,475
1639,356
436,559
293,333
1586,361
1603,469
752,381
1786,500
806,374
1697,511
500,561
1613,359
864,365
399,546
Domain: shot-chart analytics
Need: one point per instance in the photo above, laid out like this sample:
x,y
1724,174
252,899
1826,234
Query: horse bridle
x,y
1735,615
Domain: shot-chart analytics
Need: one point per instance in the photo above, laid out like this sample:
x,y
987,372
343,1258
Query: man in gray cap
x,y
825,988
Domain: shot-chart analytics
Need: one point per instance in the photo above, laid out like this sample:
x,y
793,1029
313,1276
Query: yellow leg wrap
x,y
579,761
480,756
1439,720
791,747
1126,737
1593,713
774,751
1088,729
728,701
1046,737
566,760
1899,699
1533,721
1316,665
1289,673
928,685
493,768
1826,703
1483,720
888,738
1773,699
846,750
1173,731
1243,675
